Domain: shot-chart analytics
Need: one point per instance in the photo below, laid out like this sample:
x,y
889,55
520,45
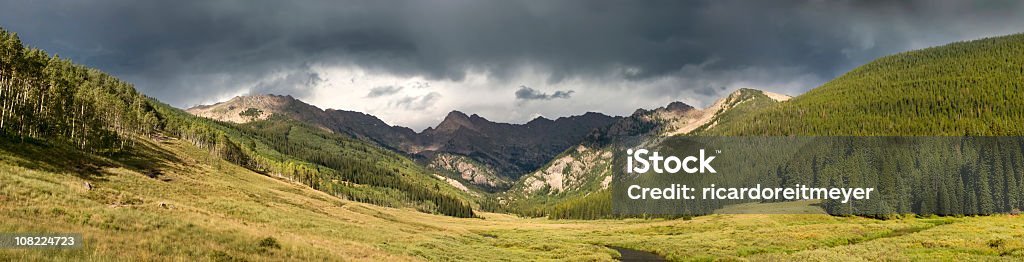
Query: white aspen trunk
x,y
79,116
3,102
42,97
3,105
14,111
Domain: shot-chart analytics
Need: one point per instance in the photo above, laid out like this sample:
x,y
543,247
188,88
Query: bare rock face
x,y
469,171
454,183
244,109
578,168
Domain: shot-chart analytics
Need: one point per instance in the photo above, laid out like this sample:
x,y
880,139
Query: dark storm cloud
x,y
174,50
383,91
417,102
710,90
293,82
527,93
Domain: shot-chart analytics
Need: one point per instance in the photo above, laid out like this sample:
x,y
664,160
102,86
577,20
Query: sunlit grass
x,y
200,209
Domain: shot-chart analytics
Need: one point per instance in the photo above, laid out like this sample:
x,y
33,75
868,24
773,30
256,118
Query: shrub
x,y
270,242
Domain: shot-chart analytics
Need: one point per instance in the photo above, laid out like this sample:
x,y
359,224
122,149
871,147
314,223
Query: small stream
x,y
633,255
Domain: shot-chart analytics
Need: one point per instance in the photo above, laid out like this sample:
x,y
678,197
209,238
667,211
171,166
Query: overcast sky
x,y
411,62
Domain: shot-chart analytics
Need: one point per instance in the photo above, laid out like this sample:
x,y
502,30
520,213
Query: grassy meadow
x,y
187,206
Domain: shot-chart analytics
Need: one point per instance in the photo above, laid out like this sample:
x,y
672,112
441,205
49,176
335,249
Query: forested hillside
x,y
332,163
965,88
51,101
50,98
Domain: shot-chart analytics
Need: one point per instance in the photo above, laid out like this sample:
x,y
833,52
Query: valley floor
x,y
188,206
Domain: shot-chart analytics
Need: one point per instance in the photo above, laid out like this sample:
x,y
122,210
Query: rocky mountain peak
x,y
678,107
455,120
456,114
242,109
539,120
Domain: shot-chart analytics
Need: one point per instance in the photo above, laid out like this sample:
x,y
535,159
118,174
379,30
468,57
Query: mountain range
x,y
511,150
542,156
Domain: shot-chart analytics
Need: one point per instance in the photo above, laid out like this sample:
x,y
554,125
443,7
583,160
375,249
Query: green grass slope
x,y
964,88
208,209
